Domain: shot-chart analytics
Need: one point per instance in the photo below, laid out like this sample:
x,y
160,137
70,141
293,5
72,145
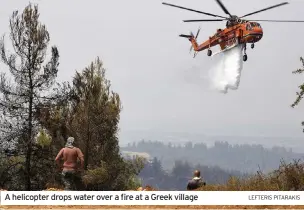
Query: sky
x,y
161,86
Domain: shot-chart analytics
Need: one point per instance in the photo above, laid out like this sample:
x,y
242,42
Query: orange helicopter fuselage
x,y
242,33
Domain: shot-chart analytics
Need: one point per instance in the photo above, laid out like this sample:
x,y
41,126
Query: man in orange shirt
x,y
70,154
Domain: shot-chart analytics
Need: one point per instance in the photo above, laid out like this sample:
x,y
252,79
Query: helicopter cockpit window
x,y
258,25
248,27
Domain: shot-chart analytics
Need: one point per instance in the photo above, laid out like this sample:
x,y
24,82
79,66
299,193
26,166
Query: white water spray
x,y
227,73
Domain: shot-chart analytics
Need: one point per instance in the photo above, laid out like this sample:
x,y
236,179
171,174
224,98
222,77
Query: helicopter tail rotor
x,y
191,48
191,36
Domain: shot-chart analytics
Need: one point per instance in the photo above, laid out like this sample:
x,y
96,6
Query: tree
x,y
301,87
157,169
299,94
95,114
22,99
182,169
9,165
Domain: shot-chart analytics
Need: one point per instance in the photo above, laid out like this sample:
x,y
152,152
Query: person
x,y
70,171
196,182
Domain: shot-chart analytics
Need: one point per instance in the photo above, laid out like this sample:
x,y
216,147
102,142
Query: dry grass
x,y
288,177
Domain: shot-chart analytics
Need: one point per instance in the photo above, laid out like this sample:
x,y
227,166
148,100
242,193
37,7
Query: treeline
x,y
244,158
155,175
37,114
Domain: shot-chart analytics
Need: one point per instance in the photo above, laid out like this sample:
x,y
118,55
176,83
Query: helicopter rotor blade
x,y
280,21
192,35
192,10
223,7
262,10
205,20
190,49
198,31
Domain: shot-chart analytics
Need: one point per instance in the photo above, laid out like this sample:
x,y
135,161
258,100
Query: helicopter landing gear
x,y
245,57
209,52
252,45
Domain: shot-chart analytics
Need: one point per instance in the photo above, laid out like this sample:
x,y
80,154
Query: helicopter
x,y
238,31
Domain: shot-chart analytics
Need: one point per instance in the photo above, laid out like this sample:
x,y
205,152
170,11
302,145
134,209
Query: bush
x,y
118,175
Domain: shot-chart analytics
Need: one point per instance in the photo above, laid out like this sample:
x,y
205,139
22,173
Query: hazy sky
x,y
162,87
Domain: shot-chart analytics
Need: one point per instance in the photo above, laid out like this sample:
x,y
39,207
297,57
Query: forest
x,y
171,166
244,158
38,114
153,174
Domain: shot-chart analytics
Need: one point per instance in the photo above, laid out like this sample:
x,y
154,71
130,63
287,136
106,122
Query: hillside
x,y
245,158
288,177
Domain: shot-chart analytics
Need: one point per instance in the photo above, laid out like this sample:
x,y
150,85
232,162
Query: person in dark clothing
x,y
196,182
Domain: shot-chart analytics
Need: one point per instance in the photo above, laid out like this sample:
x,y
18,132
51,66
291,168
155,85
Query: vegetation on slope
x,y
288,177
243,157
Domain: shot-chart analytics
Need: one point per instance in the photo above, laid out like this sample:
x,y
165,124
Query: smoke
x,y
226,74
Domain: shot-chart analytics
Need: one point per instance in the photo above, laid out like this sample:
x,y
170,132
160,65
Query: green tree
x,y
300,93
182,169
156,167
33,78
94,123
96,114
182,172
301,87
9,165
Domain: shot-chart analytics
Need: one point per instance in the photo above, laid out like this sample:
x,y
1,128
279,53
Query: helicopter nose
x,y
259,33
258,30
